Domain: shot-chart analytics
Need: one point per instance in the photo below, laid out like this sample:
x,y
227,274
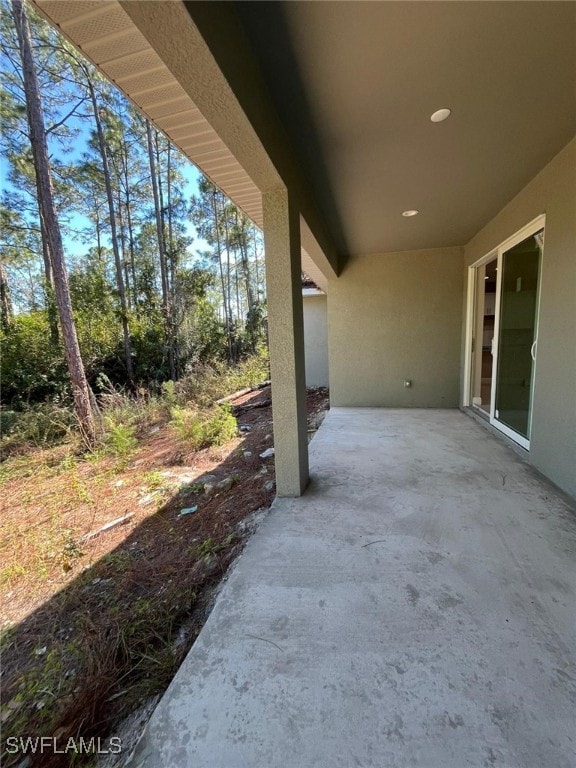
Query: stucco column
x,y
286,337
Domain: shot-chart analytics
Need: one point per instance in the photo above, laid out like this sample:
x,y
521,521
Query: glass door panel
x,y
520,266
483,335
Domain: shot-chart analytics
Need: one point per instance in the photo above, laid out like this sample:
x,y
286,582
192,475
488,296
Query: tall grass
x,y
204,384
126,416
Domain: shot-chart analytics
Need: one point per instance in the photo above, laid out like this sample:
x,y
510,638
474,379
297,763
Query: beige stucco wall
x,y
316,340
393,317
553,192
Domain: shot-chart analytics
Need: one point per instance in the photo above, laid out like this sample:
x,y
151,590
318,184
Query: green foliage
x,y
11,573
217,305
139,410
154,480
208,548
8,421
119,438
221,427
95,314
206,383
32,368
128,415
39,425
169,395
202,430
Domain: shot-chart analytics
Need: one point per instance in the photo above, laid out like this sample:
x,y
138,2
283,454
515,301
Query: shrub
x,y
33,368
119,438
8,421
220,427
202,430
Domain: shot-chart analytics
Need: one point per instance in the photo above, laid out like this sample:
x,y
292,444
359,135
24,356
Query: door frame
x,y
497,253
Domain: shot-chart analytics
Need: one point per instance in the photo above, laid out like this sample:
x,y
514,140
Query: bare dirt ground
x,y
97,621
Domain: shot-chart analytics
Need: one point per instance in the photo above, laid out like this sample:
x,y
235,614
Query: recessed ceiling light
x,y
440,115
410,213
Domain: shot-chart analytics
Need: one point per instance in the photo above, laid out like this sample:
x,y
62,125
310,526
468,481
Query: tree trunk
x,y
113,233
167,264
170,227
241,224
80,388
98,232
5,301
243,243
228,277
172,252
124,262
49,298
256,263
128,204
239,307
162,249
222,280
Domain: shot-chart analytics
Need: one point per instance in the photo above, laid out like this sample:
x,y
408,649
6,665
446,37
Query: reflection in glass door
x,y
516,337
483,335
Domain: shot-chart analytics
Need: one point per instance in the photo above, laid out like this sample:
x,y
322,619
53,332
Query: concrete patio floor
x,y
416,607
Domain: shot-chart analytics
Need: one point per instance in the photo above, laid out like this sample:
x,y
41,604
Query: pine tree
x,y
51,227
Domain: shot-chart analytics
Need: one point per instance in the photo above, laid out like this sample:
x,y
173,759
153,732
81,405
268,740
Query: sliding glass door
x,y
503,340
516,340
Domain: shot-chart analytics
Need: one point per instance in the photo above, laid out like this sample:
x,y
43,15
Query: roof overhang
x,y
333,101
131,45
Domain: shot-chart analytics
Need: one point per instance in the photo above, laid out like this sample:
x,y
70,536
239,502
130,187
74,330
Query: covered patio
x,y
390,150
415,607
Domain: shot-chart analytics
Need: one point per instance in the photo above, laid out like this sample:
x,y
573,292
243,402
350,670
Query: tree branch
x,y
61,122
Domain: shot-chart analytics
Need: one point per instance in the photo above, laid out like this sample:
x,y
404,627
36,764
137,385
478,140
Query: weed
x,y
7,637
110,633
154,480
79,488
221,427
119,438
192,488
46,548
137,411
169,394
11,573
41,425
202,430
70,553
210,547
42,685
118,562
67,464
